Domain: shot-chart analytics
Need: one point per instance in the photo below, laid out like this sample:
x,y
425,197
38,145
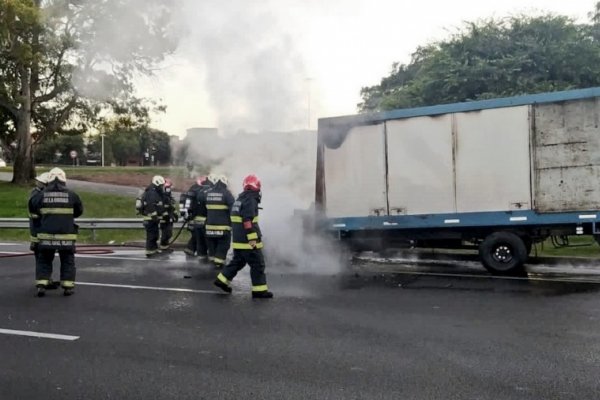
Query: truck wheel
x,y
503,253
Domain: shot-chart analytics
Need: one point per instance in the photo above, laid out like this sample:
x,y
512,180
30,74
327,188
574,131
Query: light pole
x,y
102,136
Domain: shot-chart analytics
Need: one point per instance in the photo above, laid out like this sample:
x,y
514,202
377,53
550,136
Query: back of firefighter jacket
x,y
57,208
152,203
219,202
244,221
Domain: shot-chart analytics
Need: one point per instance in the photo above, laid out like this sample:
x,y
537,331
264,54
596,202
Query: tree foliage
x,y
65,64
494,58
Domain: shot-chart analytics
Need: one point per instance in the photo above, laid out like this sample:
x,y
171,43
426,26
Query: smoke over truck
x,y
498,175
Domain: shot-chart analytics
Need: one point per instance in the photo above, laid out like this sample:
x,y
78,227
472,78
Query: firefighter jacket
x,y
169,207
218,202
57,207
187,201
152,203
244,221
34,219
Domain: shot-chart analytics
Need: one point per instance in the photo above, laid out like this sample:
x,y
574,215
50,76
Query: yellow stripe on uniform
x,y
199,218
246,246
61,211
218,260
67,284
260,288
222,278
218,228
238,219
44,282
57,236
252,236
217,207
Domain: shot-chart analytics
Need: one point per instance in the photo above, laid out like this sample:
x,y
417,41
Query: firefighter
x,y
200,218
188,206
57,207
152,210
247,243
219,201
170,215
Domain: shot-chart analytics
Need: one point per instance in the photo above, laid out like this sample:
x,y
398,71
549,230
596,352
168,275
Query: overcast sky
x,y
259,65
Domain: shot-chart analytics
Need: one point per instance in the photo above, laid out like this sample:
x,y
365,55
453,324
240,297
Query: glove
x,y
252,243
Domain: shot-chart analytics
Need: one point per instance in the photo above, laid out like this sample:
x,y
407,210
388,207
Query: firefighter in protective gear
x,y
247,243
152,211
169,215
57,207
200,219
188,206
219,201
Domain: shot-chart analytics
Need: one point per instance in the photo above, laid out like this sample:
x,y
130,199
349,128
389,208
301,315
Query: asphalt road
x,y
372,331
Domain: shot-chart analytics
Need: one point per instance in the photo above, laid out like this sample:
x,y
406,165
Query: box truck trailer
x,y
498,175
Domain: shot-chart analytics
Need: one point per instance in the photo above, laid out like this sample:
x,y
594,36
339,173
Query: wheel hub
x,y
503,254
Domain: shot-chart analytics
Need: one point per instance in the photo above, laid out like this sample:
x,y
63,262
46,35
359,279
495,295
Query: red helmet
x,y
200,180
251,182
168,183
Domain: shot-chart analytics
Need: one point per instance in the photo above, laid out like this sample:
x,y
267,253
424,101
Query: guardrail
x,y
86,223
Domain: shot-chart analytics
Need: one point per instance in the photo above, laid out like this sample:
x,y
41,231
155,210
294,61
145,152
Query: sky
x,y
279,65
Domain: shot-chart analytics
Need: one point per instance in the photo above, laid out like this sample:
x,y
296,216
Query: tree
x,y
494,58
65,63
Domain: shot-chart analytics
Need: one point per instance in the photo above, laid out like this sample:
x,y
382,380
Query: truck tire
x,y
503,253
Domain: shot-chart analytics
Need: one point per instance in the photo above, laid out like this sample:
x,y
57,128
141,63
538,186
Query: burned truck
x,y
496,175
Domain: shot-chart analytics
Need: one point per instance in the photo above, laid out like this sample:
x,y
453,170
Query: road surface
x,y
137,329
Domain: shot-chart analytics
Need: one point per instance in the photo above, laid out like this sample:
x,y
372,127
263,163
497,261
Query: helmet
x,y
223,179
200,180
57,173
212,178
168,183
158,180
42,178
251,182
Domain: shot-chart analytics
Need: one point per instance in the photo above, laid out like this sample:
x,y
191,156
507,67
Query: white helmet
x,y
57,173
42,178
223,179
212,178
158,180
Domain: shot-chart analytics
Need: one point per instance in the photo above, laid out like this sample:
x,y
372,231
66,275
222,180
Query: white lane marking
x,y
38,334
452,221
339,225
164,289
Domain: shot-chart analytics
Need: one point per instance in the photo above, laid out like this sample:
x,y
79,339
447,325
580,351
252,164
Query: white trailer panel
x,y
567,160
355,174
420,172
493,160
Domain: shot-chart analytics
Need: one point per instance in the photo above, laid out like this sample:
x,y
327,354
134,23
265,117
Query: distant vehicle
x,y
496,175
2,163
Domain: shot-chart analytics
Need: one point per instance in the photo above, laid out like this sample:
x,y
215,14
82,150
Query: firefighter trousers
x,y
43,269
152,233
256,261
218,248
200,234
166,233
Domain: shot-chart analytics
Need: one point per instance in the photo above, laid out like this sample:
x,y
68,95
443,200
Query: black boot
x,y
52,285
41,291
262,295
223,286
69,291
